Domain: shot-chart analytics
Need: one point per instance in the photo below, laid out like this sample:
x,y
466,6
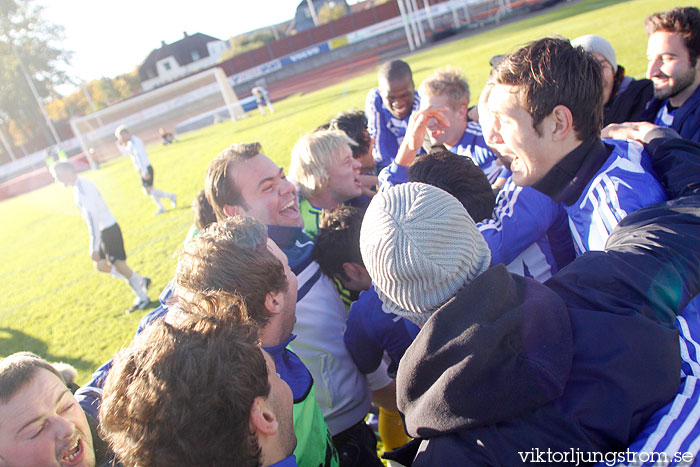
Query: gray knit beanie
x,y
592,43
420,247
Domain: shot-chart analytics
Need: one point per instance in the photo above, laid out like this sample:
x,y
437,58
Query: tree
x,y
26,36
331,11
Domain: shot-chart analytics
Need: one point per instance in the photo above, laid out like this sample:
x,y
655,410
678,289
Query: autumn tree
x,y
26,40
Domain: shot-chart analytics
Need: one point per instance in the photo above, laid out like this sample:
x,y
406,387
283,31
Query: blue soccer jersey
x,y
473,145
527,232
388,131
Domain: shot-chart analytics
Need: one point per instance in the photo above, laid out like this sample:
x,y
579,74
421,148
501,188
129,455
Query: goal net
x,y
200,97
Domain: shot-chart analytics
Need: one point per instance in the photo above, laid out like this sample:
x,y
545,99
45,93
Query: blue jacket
x,y
473,145
372,331
686,119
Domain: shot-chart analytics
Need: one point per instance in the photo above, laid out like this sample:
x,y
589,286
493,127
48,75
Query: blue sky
x,y
111,38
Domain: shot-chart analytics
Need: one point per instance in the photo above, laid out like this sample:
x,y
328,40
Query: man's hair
x,y
338,240
18,370
61,166
230,260
203,212
450,82
217,185
684,21
181,393
354,124
550,72
458,176
119,130
394,70
313,155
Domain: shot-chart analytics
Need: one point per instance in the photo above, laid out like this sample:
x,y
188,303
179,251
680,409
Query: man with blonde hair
x,y
326,174
448,88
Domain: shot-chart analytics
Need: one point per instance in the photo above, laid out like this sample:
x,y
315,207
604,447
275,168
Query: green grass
x,y
54,304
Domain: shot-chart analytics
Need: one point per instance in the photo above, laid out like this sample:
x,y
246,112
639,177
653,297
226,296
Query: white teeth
x,y
75,454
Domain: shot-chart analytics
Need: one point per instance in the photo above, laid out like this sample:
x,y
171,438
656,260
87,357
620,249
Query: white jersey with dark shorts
x,y
105,234
136,150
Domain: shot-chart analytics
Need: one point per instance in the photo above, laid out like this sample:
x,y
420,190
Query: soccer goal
x,y
196,96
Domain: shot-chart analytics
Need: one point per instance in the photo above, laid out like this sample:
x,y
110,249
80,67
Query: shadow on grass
x,y
12,340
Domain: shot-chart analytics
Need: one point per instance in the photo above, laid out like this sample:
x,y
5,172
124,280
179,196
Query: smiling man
x,y
388,108
326,172
672,51
41,423
241,180
545,112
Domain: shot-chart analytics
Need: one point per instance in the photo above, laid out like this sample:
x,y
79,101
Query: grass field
x,y
55,305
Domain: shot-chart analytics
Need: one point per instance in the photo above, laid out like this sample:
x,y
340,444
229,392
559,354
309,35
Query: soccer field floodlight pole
x,y
406,27
418,21
410,12
428,14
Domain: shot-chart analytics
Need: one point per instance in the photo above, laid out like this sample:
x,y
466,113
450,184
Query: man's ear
x,y
462,111
273,302
262,419
233,210
562,123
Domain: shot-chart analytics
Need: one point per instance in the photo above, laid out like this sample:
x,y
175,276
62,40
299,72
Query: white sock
x,y
115,273
137,286
156,200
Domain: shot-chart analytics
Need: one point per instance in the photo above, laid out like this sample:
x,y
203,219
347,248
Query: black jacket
x,y
579,363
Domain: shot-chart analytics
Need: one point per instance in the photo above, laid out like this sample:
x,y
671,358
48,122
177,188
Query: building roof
x,y
181,50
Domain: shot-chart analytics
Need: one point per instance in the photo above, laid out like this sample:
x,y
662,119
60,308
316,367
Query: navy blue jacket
x,y
686,119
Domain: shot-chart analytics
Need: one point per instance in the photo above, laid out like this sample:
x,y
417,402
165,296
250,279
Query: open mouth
x,y
290,209
74,454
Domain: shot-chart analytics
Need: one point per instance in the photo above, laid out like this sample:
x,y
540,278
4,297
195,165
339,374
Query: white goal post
x,y
164,107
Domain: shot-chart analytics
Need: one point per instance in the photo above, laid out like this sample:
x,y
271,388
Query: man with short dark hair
x,y
388,108
241,180
234,260
219,399
354,124
41,423
546,109
672,51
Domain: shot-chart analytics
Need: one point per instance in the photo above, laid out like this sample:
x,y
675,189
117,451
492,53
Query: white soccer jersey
x,y
93,209
137,151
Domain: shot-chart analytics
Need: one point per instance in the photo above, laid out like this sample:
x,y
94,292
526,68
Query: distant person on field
x,y
197,390
388,108
41,424
203,215
133,147
166,136
262,98
624,97
106,242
